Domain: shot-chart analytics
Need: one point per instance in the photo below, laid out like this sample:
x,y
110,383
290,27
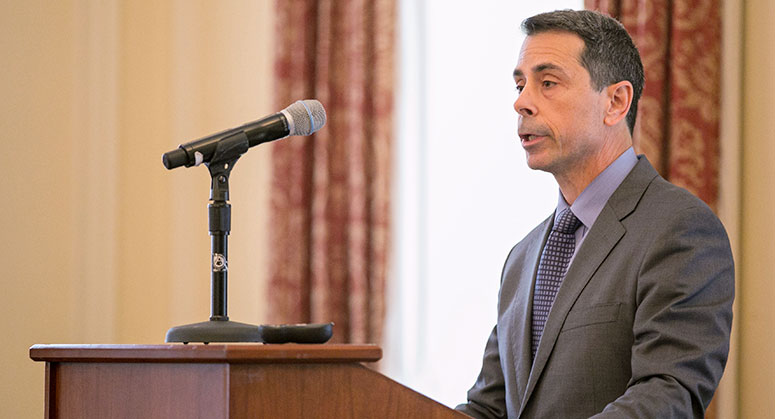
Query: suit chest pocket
x,y
602,313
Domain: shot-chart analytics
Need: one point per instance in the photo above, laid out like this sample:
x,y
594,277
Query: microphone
x,y
303,117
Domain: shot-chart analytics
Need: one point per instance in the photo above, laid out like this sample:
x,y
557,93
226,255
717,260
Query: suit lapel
x,y
525,292
597,245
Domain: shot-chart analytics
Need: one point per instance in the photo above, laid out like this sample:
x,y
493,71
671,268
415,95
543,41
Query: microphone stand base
x,y
214,331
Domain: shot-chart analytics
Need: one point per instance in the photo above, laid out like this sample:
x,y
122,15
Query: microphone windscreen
x,y
305,117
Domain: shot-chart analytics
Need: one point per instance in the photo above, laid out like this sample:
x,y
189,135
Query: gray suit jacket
x,y
640,327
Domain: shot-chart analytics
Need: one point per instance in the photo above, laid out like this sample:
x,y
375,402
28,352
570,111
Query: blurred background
x,y
104,245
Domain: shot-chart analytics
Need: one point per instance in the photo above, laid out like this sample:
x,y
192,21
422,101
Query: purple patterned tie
x,y
554,261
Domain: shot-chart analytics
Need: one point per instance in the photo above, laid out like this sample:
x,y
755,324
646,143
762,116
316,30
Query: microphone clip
x,y
227,152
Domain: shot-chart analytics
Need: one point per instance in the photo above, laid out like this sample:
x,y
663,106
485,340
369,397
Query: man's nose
x,y
524,104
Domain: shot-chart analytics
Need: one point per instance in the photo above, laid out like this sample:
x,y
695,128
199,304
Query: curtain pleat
x,y
330,192
678,116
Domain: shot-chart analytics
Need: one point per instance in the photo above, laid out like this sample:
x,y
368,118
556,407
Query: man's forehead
x,y
549,50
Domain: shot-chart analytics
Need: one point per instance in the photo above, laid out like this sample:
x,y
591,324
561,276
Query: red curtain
x,y
330,193
678,116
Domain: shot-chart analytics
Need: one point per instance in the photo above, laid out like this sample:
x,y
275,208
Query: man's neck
x,y
573,182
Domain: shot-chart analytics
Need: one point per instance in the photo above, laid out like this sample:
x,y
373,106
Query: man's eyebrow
x,y
539,68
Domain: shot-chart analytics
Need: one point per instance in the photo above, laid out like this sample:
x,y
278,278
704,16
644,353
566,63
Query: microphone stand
x,y
219,328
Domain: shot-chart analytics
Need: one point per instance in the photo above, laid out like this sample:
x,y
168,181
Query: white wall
x,y
465,195
101,243
756,371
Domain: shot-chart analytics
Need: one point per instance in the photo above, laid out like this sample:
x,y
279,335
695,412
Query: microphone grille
x,y
305,117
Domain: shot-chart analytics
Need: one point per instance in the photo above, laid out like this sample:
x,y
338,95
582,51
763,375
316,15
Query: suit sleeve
x,y
682,320
486,399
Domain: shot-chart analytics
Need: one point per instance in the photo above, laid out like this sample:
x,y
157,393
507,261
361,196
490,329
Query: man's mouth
x,y
528,137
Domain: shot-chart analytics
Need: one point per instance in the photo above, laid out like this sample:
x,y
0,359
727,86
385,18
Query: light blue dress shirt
x,y
594,197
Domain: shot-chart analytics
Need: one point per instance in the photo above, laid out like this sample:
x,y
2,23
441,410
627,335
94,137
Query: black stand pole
x,y
219,328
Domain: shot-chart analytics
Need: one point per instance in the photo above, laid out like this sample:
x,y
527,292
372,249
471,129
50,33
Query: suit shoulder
x,y
529,244
535,235
662,198
667,209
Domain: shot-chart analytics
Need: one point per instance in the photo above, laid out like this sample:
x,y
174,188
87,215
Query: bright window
x,y
464,195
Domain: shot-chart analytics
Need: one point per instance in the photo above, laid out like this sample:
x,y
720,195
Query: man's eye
x,y
519,88
547,83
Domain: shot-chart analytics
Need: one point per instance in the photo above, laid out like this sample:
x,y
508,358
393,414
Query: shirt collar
x,y
594,197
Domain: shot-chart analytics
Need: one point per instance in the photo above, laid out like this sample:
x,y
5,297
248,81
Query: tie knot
x,y
567,223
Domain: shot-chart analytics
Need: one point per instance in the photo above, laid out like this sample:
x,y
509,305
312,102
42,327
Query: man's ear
x,y
619,100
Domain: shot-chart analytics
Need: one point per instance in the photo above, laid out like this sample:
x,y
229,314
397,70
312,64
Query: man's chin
x,y
536,163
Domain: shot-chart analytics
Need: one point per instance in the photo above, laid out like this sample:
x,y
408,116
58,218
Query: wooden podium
x,y
224,381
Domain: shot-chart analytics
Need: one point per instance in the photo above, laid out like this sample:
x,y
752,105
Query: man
x,y
620,304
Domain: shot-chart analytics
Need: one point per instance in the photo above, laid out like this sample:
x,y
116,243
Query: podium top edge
x,y
212,353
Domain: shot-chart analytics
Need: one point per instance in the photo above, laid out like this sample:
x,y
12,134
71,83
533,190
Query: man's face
x,y
560,113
